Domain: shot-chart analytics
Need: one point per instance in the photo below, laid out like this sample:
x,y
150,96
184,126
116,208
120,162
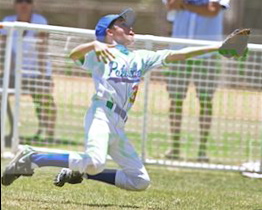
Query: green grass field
x,y
170,189
235,138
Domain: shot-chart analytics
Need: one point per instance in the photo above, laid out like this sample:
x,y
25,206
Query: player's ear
x,y
109,32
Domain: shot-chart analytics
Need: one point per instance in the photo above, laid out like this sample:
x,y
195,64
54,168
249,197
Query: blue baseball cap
x,y
105,21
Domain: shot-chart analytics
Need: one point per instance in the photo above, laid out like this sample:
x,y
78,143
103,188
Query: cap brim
x,y
129,16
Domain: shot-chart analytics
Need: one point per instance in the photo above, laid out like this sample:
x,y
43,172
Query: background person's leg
x,y
205,121
175,118
45,106
38,108
178,80
206,78
46,113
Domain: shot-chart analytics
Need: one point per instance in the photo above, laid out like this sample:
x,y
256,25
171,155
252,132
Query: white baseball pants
x,y
104,134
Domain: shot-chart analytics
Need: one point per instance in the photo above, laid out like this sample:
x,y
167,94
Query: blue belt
x,y
115,108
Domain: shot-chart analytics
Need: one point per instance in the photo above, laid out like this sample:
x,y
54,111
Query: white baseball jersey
x,y
118,80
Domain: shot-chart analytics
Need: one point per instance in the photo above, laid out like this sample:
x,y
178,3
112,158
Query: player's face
x,y
122,33
23,7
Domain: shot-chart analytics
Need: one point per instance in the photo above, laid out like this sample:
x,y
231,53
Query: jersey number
x,y
133,96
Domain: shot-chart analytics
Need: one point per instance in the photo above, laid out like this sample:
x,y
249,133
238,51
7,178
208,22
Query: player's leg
x,y
67,175
177,85
206,77
108,175
21,165
91,162
97,138
132,175
97,134
28,159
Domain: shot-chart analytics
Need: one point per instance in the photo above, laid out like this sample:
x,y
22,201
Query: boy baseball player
x,y
116,72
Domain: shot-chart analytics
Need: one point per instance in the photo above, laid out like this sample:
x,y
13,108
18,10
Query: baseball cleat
x,y
67,176
19,166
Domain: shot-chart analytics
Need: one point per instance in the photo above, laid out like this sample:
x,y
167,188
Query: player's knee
x,y
95,169
96,166
141,183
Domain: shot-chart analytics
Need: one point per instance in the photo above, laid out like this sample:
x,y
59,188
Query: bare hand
x,y
102,52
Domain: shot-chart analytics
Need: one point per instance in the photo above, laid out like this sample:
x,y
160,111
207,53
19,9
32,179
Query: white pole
x,y
18,69
260,134
7,66
145,111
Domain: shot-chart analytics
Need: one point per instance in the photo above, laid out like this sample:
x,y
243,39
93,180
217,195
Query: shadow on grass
x,y
78,203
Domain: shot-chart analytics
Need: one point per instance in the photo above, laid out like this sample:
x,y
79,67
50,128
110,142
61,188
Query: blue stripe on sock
x,y
57,160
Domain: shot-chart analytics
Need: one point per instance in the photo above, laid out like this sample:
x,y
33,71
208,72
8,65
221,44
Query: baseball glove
x,y
235,45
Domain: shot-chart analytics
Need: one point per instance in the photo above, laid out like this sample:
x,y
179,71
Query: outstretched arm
x,y
235,45
101,50
189,52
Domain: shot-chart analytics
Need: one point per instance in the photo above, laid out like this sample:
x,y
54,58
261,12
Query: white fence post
x,y
145,110
260,143
18,69
7,66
